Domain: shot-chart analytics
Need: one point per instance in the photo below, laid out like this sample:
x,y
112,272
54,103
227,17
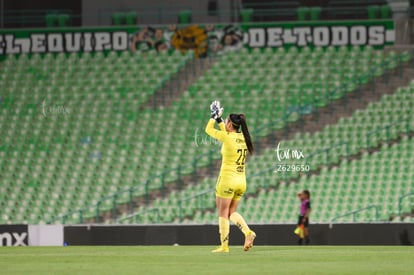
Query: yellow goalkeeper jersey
x,y
233,151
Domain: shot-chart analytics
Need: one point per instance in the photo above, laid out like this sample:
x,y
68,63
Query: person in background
x,y
160,46
231,43
305,209
232,39
159,35
142,40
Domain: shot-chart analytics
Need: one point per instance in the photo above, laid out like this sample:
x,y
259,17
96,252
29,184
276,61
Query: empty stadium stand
x,y
79,142
68,122
380,123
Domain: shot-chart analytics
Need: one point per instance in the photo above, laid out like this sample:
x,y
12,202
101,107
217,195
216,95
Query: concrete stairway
x,y
180,83
346,106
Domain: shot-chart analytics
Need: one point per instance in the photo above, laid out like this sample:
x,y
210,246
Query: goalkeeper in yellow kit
x,y
231,183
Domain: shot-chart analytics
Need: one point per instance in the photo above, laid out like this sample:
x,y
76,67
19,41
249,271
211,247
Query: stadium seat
x,y
118,18
63,20
185,17
246,15
386,12
131,18
315,13
303,13
51,20
373,12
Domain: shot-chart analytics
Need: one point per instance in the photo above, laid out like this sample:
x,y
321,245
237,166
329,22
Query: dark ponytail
x,y
246,133
240,120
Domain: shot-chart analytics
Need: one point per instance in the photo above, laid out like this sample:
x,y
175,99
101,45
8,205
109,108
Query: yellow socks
x,y
238,220
224,229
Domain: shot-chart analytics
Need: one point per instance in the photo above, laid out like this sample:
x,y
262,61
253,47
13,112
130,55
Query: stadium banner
x,y
203,39
14,235
320,34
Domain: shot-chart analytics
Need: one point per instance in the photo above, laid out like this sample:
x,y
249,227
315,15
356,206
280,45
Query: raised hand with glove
x,y
216,111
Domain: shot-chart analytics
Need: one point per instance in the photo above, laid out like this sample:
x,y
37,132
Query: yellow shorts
x,y
230,188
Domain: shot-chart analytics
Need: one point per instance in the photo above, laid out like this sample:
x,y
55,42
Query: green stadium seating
x,y
303,13
79,130
185,17
373,12
315,13
354,185
63,20
51,20
131,18
72,121
246,15
387,170
118,18
386,12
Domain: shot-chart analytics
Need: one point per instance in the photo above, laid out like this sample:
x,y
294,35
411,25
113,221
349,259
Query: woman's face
x,y
228,40
159,34
229,126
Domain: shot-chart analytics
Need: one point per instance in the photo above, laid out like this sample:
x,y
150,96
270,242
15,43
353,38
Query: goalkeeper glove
x,y
216,111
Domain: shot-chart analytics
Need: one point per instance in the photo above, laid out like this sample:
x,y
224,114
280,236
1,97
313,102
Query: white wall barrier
x,y
45,235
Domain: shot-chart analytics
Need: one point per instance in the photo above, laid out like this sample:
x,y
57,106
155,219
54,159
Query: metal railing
x,y
29,18
33,17
198,199
327,151
135,217
353,213
387,130
400,201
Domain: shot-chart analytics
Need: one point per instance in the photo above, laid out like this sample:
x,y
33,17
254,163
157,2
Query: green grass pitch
x,y
197,260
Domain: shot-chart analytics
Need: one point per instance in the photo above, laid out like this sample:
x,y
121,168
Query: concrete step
x,y
179,83
331,114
